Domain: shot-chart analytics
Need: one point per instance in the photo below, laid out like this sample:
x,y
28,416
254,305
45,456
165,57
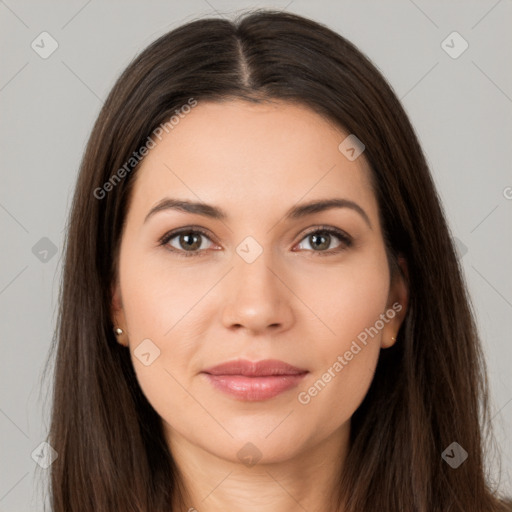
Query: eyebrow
x,y
296,212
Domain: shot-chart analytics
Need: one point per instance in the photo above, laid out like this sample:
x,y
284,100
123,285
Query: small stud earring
x,y
393,338
118,331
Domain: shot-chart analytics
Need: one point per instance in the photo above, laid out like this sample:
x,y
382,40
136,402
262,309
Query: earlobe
x,y
120,335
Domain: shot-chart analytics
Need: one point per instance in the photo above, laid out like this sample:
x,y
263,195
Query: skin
x,y
292,303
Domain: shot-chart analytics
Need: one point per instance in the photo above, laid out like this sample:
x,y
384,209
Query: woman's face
x,y
258,284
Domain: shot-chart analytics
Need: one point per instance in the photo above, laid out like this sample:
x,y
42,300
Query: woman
x,y
261,305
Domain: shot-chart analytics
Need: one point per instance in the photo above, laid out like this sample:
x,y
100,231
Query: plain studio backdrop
x,y
448,62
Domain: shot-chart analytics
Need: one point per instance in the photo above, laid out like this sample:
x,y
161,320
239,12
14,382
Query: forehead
x,y
254,155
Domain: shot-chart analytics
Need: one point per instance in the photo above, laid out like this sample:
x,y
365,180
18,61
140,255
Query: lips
x,y
254,381
267,367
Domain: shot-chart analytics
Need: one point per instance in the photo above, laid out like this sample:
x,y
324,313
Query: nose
x,y
257,298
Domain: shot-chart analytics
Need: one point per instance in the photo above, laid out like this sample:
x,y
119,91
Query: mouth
x,y
254,381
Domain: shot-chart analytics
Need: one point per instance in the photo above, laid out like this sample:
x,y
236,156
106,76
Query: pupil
x,y
187,238
324,245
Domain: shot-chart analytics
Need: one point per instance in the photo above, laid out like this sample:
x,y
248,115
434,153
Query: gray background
x,y
461,108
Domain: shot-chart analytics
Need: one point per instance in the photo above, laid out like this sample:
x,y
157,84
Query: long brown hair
x,y
429,389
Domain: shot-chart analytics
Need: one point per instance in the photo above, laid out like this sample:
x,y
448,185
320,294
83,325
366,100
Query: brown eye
x,y
320,240
189,242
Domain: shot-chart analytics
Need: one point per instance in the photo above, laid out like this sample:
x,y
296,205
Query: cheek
x,y
347,297
158,293
162,348
156,304
349,300
331,396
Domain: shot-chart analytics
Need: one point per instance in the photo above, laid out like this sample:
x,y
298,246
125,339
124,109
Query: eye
x,y
321,239
189,241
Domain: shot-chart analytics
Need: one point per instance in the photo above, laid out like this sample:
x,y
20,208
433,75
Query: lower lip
x,y
253,389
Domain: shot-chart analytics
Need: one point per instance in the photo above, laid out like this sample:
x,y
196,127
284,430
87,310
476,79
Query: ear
x,y
398,301
117,312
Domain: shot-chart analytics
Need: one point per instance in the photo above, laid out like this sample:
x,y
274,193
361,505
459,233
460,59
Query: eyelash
x,y
345,239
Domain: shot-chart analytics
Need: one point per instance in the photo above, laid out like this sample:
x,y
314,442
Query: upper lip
x,y
254,368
